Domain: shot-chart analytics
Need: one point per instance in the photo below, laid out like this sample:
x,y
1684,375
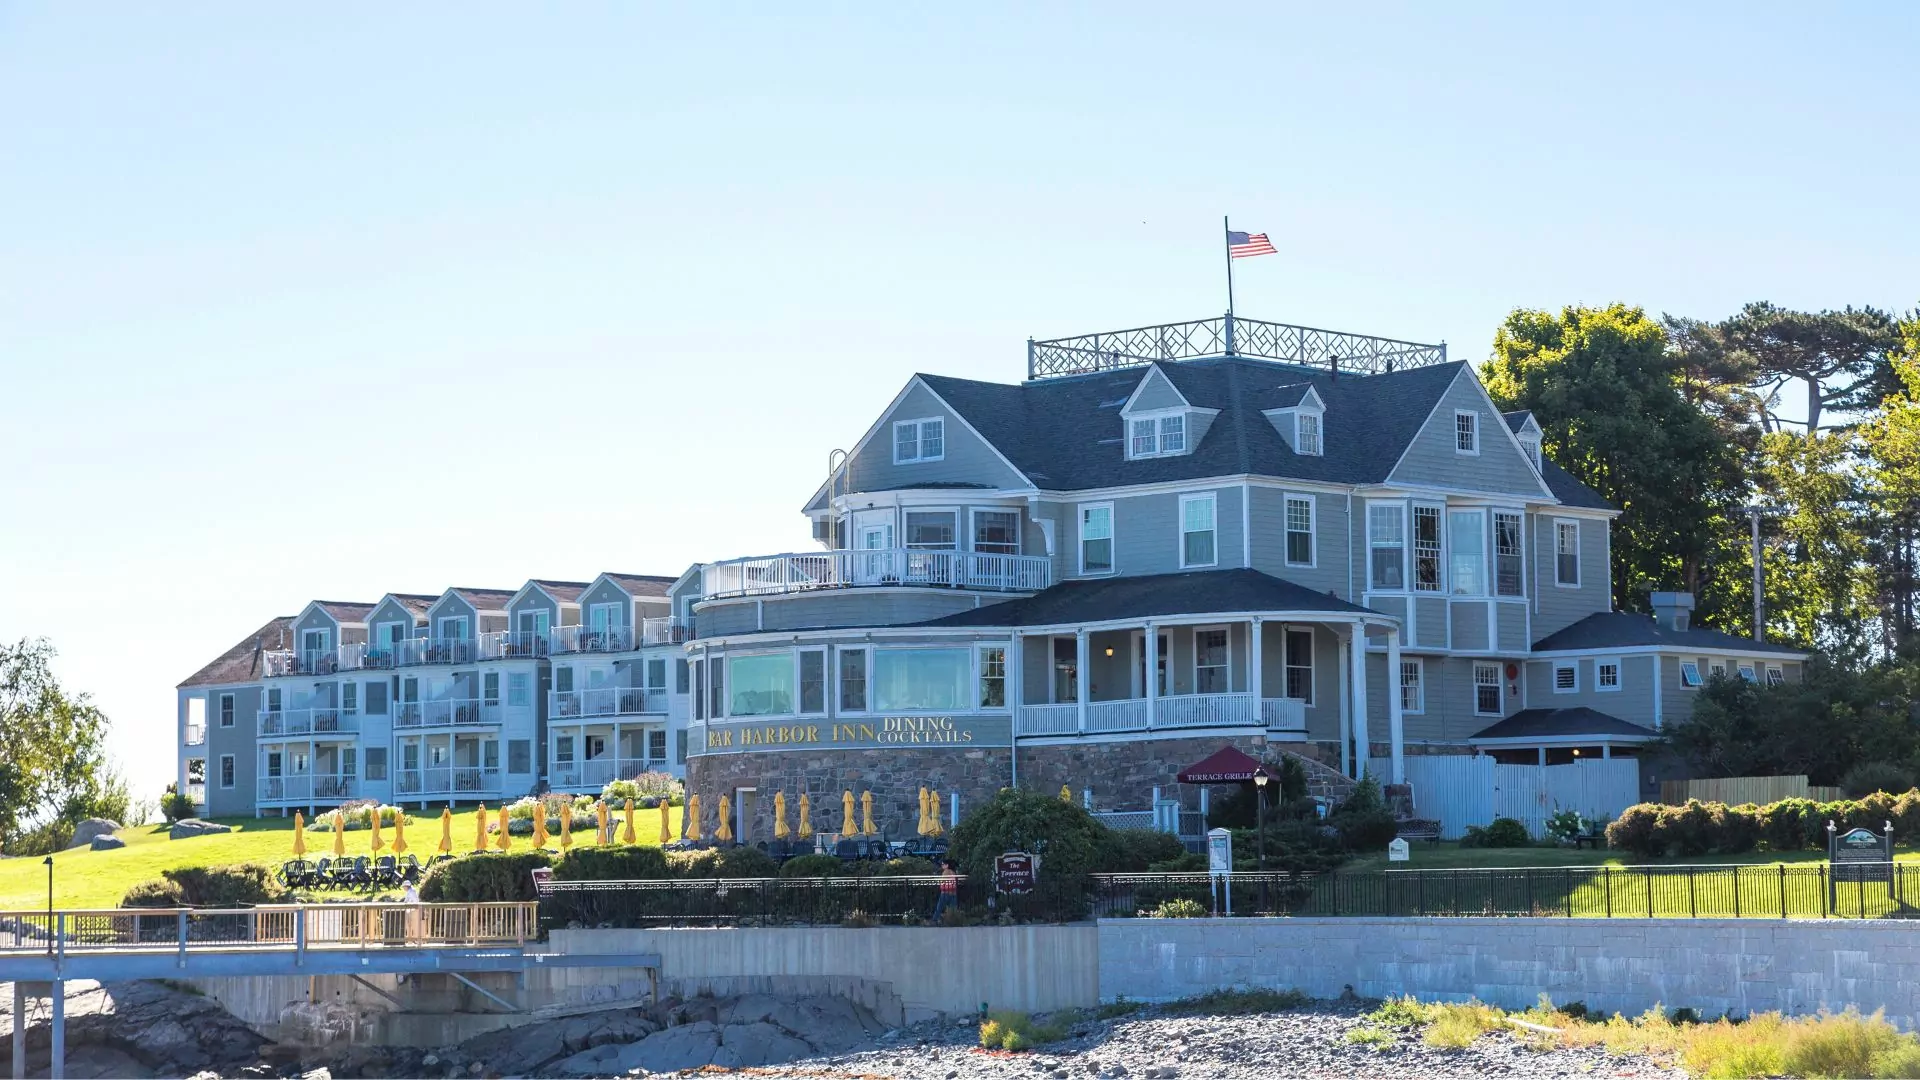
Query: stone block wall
x,y
1123,773
895,775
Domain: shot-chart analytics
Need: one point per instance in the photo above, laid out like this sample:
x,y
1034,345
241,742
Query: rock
x,y
317,1074
746,1046
191,827
106,843
84,832
430,1060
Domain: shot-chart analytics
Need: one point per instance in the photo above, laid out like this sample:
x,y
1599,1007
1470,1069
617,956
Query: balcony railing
x,y
302,787
447,712
885,567
512,645
595,773
1230,335
300,662
1170,712
196,735
446,780
605,701
415,651
665,631
308,721
590,639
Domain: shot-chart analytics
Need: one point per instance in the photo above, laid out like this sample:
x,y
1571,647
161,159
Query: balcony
x,y
196,735
301,662
446,712
605,701
590,639
511,645
1169,713
774,575
308,721
595,773
446,780
301,787
666,631
412,652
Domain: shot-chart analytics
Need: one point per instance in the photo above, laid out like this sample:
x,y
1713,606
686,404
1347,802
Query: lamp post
x,y
1260,779
49,864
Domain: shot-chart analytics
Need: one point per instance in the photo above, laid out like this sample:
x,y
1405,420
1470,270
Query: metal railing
x,y
821,901
409,652
882,567
196,735
301,787
300,926
605,701
511,645
275,662
1227,335
1171,711
590,639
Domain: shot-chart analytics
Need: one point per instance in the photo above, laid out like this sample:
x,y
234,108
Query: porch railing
x,y
606,701
309,721
1048,720
595,773
446,780
1171,712
590,639
447,712
511,645
775,574
414,651
304,786
304,661
665,631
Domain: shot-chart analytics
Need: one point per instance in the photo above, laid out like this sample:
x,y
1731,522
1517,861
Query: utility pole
x,y
1755,512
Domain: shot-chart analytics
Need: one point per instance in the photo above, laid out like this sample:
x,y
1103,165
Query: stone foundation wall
x,y
1124,774
894,775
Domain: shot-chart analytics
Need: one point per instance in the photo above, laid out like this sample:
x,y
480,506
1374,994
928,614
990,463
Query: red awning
x,y
1224,766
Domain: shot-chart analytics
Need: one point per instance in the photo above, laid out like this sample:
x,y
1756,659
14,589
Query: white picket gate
x,y
1459,790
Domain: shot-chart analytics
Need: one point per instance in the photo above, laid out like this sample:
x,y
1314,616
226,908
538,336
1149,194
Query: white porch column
x,y
1606,751
616,740
1016,669
1254,683
1395,735
1081,655
1357,677
1152,676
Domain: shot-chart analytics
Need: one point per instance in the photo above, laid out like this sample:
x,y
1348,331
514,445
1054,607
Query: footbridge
x,y
39,951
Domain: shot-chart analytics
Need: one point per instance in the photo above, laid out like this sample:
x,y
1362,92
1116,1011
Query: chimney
x,y
1672,610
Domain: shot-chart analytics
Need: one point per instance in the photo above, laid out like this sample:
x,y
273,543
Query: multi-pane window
x,y
919,440
1466,434
226,710
1307,440
1467,535
1566,553
1426,548
226,770
1776,676
993,677
1566,678
853,680
376,763
1606,674
657,744
1486,689
1156,436
1173,434
1508,564
996,532
409,758
813,682
1531,447
1299,663
1196,530
930,530
349,761
1690,674
1387,540
490,688
376,699
519,755
349,697
1210,662
1299,530
563,750
1096,539
1413,690
519,689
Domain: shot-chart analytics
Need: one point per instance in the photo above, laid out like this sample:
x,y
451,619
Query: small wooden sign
x,y
1399,850
1013,873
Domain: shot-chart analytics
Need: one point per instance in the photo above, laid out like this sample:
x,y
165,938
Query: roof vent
x,y
1672,610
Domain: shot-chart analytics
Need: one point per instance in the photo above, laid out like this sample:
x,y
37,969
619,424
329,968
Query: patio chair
x,y
352,873
319,876
293,873
411,870
386,871
847,850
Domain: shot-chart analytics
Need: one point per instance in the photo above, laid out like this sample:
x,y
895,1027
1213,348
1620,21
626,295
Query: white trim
x,y
1212,498
226,711
1554,677
1286,528
1774,675
1578,540
866,689
1246,525
1007,689
1710,652
1419,665
220,771
1286,629
1619,674
1126,407
919,440
1473,432
799,694
1499,685
1400,509
1093,738
864,636
440,626
1157,419
1698,680
1750,673
1080,539
881,422
1546,495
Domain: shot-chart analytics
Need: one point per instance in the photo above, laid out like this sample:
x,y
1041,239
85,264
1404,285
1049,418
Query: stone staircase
x,y
1323,781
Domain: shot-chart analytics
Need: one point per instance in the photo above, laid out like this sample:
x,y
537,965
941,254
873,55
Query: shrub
x,y
904,866
1018,1031
1871,776
159,893
1134,850
1736,828
1636,830
621,862
174,806
811,866
358,815
1687,830
484,877
733,862
1564,825
1363,820
1792,825
1372,1038
1179,908
1068,839
1239,1001
1504,832
241,885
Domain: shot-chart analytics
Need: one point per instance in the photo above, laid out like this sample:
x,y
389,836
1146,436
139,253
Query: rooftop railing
x,y
1227,335
773,574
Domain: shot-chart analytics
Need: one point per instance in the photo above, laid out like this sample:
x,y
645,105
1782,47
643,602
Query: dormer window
x,y
1307,433
1531,444
1157,436
1466,432
919,440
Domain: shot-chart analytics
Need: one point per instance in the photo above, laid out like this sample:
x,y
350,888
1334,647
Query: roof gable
x,y
241,663
1154,392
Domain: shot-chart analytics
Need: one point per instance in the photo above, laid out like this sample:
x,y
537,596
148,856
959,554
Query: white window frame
x,y
1193,673
826,683
1399,510
1155,439
1417,667
866,696
225,710
1600,664
1695,682
1493,551
613,617
383,638
1212,499
1080,537
1286,529
1566,665
1288,667
225,767
1498,687
980,673
1440,555
1452,578
1566,523
458,620
1776,675
973,527
1309,444
919,440
1471,431
523,681
1748,674
1530,445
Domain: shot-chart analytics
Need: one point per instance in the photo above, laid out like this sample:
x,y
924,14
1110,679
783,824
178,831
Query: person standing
x,y
949,890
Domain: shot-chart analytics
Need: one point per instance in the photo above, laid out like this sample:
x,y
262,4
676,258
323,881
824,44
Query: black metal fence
x,y
1809,890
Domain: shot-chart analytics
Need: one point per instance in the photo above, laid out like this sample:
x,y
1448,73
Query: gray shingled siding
x,y
237,740
1560,606
1147,535
452,606
1469,621
1633,702
390,610
1198,424
533,600
1110,677
1155,392
1329,570
839,607
606,592
316,619
1430,622
1513,627
1036,670
1432,461
967,459
1395,606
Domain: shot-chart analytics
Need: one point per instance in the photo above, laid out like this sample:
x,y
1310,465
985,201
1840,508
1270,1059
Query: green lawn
x,y
92,879
1450,856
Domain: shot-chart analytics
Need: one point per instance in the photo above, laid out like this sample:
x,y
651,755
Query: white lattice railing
x,y
773,574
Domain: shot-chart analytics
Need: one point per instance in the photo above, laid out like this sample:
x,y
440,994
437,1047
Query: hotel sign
x,y
957,732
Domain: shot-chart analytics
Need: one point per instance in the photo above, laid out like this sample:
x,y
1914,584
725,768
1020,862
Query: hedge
x,y
484,877
1653,830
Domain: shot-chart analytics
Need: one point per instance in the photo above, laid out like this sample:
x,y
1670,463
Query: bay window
x,y
1387,542
1467,533
762,685
922,680
1508,563
1426,548
996,532
930,530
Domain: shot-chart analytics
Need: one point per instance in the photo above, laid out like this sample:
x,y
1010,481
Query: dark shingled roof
x,y
1560,723
1559,481
638,585
346,611
564,591
1191,593
1620,629
242,662
484,599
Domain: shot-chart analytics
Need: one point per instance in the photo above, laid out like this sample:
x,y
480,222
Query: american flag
x,y
1246,245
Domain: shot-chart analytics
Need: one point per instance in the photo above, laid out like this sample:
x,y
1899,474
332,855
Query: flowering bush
x,y
520,814
646,790
358,814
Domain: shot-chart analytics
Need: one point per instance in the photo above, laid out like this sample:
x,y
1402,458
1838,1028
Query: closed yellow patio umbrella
x,y
504,841
600,815
446,830
480,828
566,824
806,818
848,828
399,832
628,837
1066,794
779,815
934,828
921,826
339,835
693,817
666,822
866,814
724,832
540,825
299,834
373,822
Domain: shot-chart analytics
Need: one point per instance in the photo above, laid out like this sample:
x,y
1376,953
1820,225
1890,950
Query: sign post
x,y
1857,856
1220,868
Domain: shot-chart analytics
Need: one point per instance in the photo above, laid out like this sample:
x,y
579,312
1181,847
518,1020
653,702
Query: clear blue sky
x,y
401,298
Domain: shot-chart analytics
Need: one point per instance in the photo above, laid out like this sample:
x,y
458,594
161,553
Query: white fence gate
x,y
1459,790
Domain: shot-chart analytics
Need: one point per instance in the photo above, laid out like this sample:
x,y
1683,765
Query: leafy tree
x,y
1838,717
53,765
1818,582
1840,357
1606,391
1891,444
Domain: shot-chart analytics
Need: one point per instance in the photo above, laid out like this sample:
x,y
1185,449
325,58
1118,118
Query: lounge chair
x,y
386,871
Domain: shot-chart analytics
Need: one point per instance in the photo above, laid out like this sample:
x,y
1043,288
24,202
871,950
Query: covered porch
x,y
447,764
308,772
1561,737
585,756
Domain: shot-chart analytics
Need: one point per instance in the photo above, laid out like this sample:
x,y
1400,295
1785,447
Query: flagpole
x,y
1226,240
